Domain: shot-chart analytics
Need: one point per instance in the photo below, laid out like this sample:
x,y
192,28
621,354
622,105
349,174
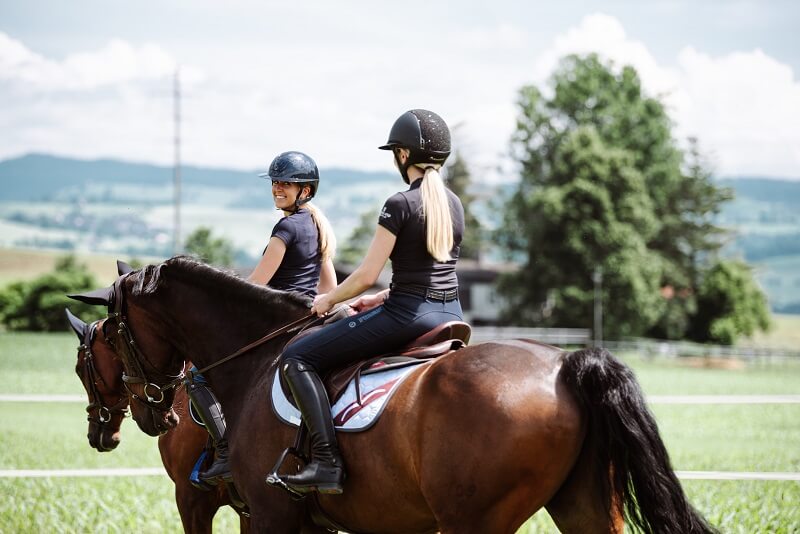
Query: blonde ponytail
x,y
436,211
327,240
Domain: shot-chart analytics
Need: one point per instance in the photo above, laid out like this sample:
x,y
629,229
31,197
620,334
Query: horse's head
x,y
150,375
178,310
100,372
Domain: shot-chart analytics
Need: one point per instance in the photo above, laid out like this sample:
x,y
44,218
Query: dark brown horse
x,y
475,442
101,371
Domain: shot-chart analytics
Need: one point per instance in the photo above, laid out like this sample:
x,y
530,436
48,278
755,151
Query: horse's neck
x,y
209,333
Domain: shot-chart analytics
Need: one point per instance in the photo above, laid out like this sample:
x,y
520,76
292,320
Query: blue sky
x,y
93,78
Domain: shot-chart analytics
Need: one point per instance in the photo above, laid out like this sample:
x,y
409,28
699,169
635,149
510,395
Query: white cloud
x,y
116,63
606,36
245,101
743,107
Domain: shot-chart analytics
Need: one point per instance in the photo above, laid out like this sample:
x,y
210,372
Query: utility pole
x,y
597,278
176,172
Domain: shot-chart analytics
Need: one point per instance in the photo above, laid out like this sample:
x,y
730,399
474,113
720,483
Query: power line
x,y
176,173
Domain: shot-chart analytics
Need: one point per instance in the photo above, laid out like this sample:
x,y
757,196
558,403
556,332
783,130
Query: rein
x,y
304,321
134,354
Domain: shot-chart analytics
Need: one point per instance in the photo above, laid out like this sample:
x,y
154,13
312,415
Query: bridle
x,y
104,413
133,357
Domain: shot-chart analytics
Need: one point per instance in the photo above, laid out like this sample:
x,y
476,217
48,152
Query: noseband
x,y
104,413
133,359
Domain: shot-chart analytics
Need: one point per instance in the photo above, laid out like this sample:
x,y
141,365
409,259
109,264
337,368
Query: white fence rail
x,y
679,349
582,337
553,336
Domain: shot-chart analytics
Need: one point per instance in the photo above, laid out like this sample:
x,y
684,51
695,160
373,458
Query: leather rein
x,y
104,412
155,394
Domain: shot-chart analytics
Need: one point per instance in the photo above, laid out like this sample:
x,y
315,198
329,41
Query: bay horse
x,y
101,373
474,442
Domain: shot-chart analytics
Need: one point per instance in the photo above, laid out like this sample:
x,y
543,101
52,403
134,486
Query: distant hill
x,y
764,189
38,177
125,208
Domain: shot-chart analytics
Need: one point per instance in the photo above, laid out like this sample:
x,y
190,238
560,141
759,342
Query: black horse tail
x,y
631,458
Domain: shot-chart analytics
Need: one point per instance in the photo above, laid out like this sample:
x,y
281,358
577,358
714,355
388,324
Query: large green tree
x,y
605,188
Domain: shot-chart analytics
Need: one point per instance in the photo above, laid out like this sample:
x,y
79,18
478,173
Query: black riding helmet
x,y
294,167
424,134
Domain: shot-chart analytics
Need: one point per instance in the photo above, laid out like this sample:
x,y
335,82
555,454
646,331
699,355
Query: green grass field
x,y
699,438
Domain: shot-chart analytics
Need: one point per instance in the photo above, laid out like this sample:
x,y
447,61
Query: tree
x,y
38,305
459,181
595,213
729,304
689,241
603,186
214,251
358,242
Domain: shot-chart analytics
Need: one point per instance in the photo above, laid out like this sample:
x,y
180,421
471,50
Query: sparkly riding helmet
x,y
424,134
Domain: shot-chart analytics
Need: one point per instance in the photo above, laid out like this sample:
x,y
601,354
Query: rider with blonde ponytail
x,y
299,257
420,230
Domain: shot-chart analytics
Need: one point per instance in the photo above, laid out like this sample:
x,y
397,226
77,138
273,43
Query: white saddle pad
x,y
348,414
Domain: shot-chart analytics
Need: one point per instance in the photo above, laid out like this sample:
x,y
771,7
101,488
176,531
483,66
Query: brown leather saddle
x,y
442,340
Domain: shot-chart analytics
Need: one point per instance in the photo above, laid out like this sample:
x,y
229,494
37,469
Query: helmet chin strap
x,y
298,203
403,167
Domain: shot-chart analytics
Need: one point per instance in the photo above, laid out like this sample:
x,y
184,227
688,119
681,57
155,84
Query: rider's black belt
x,y
444,295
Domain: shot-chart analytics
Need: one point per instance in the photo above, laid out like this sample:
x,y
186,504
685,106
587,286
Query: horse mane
x,y
227,285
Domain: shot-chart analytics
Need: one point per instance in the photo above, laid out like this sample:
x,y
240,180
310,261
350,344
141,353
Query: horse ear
x,y
78,326
123,268
98,297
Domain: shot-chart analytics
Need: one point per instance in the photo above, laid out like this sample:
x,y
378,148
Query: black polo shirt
x,y
299,270
412,264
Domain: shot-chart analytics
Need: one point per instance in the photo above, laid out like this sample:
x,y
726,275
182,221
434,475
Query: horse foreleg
x,y
579,505
196,508
244,524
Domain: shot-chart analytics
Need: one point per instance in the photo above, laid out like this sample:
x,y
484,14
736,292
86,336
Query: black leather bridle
x,y
104,413
133,359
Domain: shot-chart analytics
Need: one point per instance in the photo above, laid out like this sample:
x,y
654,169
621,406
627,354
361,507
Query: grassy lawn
x,y
734,507
39,363
699,438
679,377
112,505
785,333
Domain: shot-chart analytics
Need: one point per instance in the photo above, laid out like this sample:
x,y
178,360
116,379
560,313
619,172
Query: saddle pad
x,y
348,414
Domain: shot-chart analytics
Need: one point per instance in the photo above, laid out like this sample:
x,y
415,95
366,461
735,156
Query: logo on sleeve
x,y
385,214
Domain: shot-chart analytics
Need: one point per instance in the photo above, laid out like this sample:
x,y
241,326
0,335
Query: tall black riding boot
x,y
325,472
210,412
